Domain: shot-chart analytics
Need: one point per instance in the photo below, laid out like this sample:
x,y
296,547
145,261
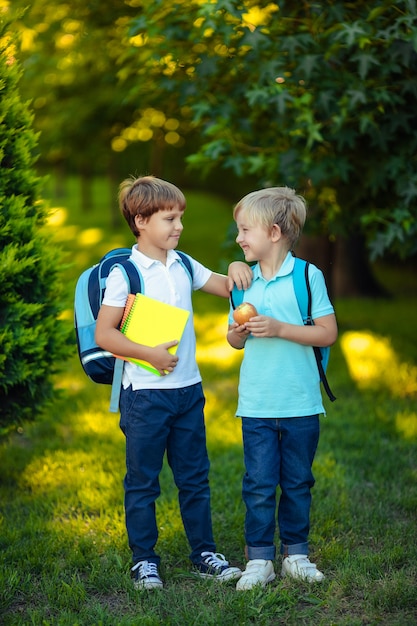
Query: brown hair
x,y
275,205
145,196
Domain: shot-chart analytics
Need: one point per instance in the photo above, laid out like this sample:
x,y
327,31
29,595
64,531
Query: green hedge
x,y
32,340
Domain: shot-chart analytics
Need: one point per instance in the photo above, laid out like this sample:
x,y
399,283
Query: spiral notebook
x,y
151,322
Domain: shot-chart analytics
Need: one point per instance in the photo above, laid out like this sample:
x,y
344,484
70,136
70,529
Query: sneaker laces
x,y
146,569
302,562
304,567
215,559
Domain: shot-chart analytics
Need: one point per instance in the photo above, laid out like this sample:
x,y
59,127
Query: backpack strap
x,y
132,276
116,385
302,289
303,294
186,263
236,296
134,281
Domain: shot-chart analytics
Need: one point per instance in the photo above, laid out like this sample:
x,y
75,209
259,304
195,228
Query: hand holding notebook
x,y
151,323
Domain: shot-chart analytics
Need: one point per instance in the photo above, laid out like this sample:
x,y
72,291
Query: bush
x,y
32,340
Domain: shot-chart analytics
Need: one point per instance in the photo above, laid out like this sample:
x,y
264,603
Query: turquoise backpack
x,y
303,294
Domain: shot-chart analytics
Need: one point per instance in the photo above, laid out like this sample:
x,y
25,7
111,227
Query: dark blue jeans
x,y
154,421
278,452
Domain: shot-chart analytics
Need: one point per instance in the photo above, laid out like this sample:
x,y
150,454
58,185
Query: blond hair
x,y
145,196
275,205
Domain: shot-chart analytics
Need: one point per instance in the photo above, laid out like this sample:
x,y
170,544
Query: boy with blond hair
x,y
279,388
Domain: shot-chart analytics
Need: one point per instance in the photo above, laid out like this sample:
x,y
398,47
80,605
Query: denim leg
x,y
262,463
154,421
299,440
145,427
188,459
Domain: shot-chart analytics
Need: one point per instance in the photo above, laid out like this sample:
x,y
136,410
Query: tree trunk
x,y
345,265
353,275
156,160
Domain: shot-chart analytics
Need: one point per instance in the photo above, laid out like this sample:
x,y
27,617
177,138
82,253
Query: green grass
x,y
63,551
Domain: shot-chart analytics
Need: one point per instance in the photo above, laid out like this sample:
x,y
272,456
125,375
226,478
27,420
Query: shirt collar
x,y
285,269
146,261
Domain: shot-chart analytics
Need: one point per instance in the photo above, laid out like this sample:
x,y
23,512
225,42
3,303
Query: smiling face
x,y
278,209
255,239
160,232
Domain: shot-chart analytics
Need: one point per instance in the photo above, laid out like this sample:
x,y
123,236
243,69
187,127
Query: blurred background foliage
x,y
220,97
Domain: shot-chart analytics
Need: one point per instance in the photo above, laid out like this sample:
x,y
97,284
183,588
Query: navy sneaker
x,y
145,576
214,565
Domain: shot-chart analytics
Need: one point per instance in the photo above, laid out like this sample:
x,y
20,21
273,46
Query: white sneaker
x,y
257,572
299,566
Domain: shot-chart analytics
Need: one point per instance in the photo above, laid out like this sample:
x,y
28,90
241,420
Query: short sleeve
x,y
201,274
320,301
116,289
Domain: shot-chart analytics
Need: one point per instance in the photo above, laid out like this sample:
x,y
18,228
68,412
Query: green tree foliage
x,y
319,95
76,58
69,52
32,340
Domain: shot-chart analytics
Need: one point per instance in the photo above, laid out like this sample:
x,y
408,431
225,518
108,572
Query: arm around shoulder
x,y
239,274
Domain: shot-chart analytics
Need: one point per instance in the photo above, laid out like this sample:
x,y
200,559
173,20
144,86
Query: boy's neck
x,y
156,254
270,266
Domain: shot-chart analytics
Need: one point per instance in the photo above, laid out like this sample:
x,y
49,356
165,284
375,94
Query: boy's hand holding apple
x,y
238,332
244,312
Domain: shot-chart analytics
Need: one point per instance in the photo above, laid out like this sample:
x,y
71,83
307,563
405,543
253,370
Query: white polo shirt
x,y
280,378
168,283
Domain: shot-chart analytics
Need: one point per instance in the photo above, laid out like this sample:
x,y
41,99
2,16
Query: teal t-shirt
x,y
280,378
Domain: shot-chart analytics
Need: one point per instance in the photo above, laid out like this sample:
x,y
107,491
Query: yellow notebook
x,y
151,322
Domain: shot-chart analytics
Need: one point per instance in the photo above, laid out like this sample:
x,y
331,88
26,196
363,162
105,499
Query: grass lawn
x,y
64,557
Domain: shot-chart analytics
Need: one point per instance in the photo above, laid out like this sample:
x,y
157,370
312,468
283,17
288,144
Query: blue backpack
x,y
303,294
99,365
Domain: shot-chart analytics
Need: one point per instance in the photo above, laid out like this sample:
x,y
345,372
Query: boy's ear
x,y
139,221
276,232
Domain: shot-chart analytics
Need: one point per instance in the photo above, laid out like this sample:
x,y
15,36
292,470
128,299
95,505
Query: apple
x,y
244,312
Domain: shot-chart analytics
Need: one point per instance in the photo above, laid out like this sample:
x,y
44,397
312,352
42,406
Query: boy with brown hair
x,y
166,412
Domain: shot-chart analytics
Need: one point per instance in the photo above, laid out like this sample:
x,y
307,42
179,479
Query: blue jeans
x,y
278,452
154,421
